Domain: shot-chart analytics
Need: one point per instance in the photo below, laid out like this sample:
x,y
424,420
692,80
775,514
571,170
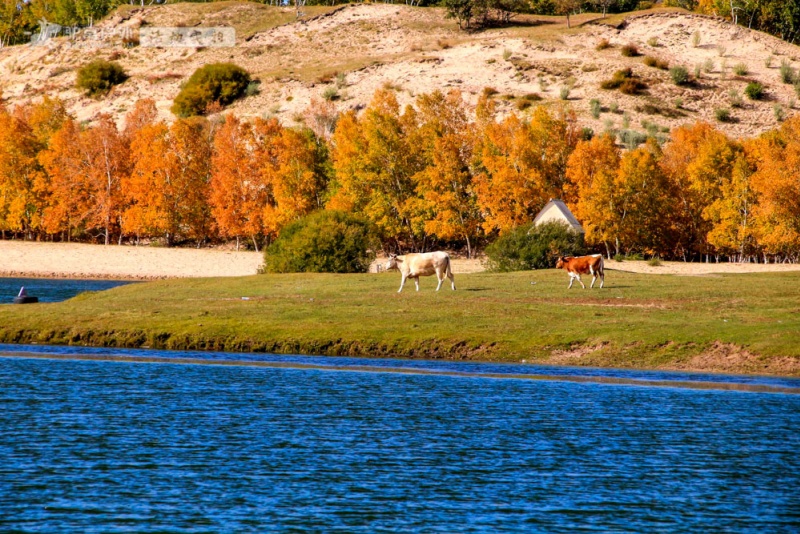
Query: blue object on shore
x,y
24,298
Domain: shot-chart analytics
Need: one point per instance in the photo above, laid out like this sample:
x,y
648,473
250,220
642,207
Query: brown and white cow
x,y
426,264
576,266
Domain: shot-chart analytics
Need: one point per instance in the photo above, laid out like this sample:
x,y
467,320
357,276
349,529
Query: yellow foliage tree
x,y
592,172
776,182
520,166
698,161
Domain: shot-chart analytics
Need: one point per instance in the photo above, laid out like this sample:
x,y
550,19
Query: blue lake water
x,y
233,442
51,290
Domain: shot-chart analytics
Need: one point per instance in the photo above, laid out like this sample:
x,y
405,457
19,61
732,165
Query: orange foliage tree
x,y
520,165
169,184
444,187
69,197
775,181
238,192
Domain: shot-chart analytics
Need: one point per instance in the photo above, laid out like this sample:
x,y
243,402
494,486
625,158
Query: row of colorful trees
x,y
433,174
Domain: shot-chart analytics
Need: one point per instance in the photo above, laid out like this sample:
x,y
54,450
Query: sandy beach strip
x,y
71,260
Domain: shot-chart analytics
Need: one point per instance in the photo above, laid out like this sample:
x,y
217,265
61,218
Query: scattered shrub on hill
x,y
788,74
696,39
631,138
587,134
735,99
603,44
98,77
629,50
656,63
722,114
679,75
595,107
330,94
754,91
740,69
218,82
533,247
564,92
653,41
654,262
780,114
323,242
626,82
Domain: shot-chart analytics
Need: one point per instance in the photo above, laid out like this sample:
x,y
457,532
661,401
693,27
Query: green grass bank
x,y
747,323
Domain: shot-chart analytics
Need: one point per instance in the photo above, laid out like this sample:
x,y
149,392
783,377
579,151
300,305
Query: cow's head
x,y
560,262
391,263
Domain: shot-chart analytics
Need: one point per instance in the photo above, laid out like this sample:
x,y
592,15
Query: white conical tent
x,y
556,210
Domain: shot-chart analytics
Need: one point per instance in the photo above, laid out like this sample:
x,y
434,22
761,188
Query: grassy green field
x,y
735,323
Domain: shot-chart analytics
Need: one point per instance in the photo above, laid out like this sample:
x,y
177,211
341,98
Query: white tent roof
x,y
556,210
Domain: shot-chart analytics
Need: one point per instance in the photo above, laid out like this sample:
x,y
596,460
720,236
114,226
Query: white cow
x,y
416,265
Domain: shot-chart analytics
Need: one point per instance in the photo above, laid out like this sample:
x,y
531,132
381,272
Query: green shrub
x,y
722,114
98,77
654,262
217,82
754,91
563,93
323,242
679,75
534,247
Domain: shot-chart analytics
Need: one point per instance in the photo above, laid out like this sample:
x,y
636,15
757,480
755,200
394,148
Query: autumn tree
x,y
20,206
776,156
642,217
568,7
444,187
69,197
238,193
291,173
519,165
731,215
108,152
698,161
168,188
375,162
592,174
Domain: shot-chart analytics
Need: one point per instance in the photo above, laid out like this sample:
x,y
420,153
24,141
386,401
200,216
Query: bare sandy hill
x,y
418,50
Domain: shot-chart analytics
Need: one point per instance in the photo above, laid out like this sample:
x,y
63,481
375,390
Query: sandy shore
x,y
69,260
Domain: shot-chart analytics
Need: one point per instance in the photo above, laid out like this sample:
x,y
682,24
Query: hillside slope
x,y
418,50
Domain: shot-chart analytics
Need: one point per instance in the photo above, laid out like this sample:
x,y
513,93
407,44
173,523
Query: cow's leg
x,y
594,277
571,280
416,282
602,279
440,278
452,280
402,283
580,281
